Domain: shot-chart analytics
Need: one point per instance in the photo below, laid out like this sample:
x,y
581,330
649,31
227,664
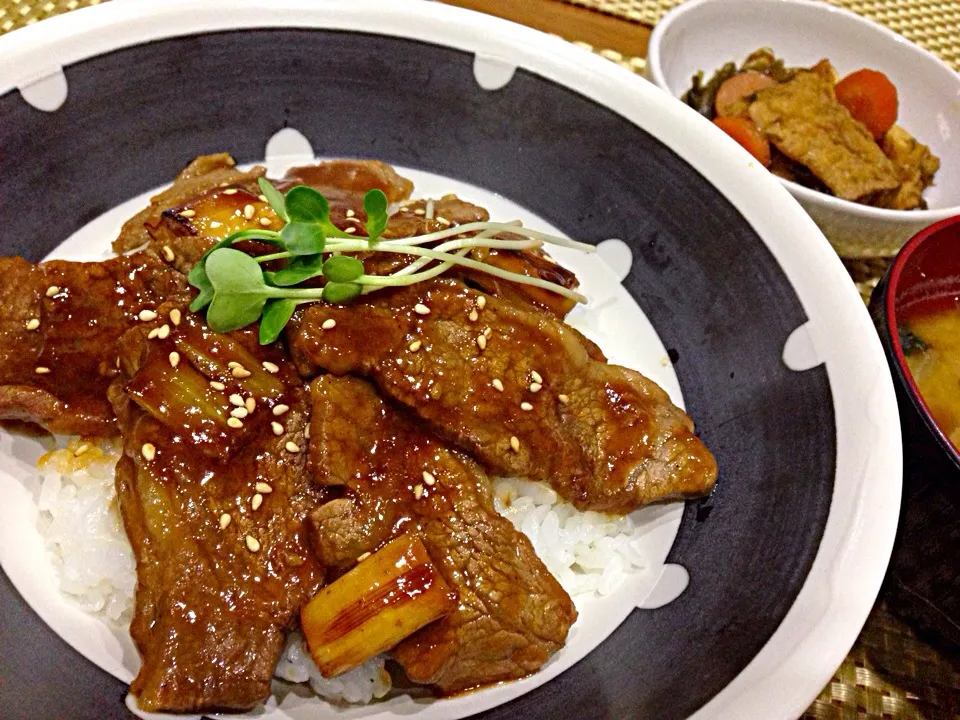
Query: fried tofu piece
x,y
804,120
916,166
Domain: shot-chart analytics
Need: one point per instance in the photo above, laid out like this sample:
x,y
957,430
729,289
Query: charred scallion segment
x,y
236,291
223,359
387,597
181,399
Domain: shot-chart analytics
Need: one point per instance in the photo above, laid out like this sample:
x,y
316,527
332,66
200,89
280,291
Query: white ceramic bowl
x,y
705,34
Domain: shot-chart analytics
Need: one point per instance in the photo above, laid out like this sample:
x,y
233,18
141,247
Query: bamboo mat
x,y
889,673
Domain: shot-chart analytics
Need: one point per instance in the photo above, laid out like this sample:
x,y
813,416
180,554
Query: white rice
x,y
588,552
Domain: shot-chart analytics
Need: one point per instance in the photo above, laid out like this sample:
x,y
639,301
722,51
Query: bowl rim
x,y
893,331
842,583
656,74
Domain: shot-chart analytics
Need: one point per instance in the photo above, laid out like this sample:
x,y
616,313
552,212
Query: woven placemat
x,y
932,24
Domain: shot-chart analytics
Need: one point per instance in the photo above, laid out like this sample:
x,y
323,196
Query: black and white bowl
x,y
710,279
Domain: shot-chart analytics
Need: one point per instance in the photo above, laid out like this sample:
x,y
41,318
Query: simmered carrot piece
x,y
745,132
871,98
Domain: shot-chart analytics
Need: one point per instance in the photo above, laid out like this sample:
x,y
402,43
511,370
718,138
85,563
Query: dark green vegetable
x,y
701,97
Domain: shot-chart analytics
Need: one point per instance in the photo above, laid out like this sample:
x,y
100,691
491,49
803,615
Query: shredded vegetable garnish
x,y
236,291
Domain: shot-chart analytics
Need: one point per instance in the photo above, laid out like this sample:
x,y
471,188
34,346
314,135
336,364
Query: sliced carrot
x,y
728,103
871,98
746,132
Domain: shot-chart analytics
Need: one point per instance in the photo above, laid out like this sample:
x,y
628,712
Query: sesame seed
x,y
535,387
363,557
421,309
270,367
473,316
148,451
526,406
428,478
33,323
236,400
250,404
418,491
217,385
52,290
224,521
292,447
41,370
239,413
419,211
482,342
214,224
329,324
306,431
263,488
481,302
350,213
253,545
415,345
248,211
277,428
563,399
262,198
515,444
147,315
350,230
240,372
280,410
188,213
487,332
153,333
81,449
174,358
256,502
231,191
168,253
235,423
498,384
443,221
266,222
164,332
537,378
175,317
233,364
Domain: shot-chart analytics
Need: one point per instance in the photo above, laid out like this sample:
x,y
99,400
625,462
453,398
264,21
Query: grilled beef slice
x,y
219,580
605,437
58,332
512,615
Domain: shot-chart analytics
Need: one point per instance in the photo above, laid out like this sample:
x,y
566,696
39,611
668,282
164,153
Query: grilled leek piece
x,y
388,596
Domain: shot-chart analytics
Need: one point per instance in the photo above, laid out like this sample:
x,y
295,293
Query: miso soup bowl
x,y
924,577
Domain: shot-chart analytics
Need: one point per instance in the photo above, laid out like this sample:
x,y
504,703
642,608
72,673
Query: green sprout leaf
x,y
335,292
342,269
197,276
297,271
275,198
375,205
306,205
239,291
276,315
303,238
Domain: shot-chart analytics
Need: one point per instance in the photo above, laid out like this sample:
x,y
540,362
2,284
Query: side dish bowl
x,y
924,572
705,34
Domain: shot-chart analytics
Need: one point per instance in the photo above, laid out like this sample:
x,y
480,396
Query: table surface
x,y
890,672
